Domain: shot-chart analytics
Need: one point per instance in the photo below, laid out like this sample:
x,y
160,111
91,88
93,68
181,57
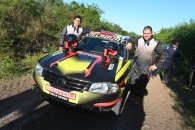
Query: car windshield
x,y
96,45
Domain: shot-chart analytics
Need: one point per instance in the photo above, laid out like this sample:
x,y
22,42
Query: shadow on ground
x,y
185,99
50,117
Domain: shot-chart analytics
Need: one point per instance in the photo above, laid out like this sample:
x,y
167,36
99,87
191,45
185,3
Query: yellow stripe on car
x,y
73,65
119,65
41,83
123,70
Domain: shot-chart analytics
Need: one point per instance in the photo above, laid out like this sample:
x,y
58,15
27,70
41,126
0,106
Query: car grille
x,y
64,82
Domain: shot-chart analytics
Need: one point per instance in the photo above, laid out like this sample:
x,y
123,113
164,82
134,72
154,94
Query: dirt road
x,y
159,107
21,109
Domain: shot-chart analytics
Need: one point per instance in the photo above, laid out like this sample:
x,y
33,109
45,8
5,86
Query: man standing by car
x,y
74,28
147,51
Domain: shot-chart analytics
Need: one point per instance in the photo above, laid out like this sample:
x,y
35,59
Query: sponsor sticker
x,y
111,66
105,37
88,54
60,93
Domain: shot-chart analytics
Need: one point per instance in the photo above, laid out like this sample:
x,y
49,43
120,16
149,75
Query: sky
x,y
134,15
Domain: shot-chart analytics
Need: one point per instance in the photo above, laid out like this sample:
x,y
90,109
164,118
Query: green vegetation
x,y
29,26
11,68
185,34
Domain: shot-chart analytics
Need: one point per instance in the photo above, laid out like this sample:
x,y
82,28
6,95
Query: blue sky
x,y
134,15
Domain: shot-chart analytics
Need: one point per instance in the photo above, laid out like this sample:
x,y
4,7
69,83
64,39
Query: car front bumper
x,y
79,99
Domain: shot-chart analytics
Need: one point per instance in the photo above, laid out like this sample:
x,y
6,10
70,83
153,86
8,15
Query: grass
x,y
11,68
30,61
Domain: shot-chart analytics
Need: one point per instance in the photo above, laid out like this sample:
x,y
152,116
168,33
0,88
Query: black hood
x,y
81,65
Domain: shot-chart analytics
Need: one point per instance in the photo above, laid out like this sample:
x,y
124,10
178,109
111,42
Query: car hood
x,y
80,65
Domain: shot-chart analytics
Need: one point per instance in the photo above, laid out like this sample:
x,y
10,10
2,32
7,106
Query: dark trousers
x,y
165,74
138,82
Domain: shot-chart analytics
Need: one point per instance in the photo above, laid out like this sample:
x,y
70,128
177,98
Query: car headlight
x,y
39,69
104,88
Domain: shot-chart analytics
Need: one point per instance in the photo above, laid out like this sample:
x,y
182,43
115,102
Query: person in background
x,y
146,50
173,53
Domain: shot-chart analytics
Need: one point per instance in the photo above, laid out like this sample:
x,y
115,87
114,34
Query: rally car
x,y
93,76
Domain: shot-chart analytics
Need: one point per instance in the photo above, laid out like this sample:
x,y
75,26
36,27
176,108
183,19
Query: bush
x,y
9,68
